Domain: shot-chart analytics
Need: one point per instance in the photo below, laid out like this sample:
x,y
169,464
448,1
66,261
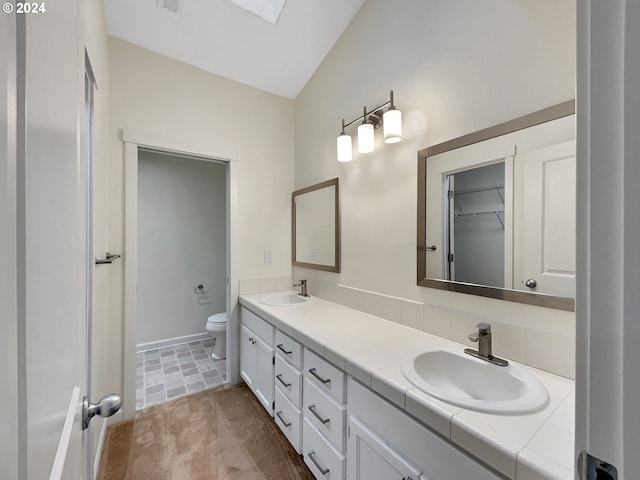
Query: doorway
x,y
137,145
181,276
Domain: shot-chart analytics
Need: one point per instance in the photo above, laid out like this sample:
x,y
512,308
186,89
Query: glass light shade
x,y
344,148
392,122
365,138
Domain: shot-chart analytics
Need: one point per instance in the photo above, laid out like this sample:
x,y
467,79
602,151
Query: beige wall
x,y
153,94
455,67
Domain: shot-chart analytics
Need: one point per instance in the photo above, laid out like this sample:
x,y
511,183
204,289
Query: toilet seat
x,y
217,318
217,322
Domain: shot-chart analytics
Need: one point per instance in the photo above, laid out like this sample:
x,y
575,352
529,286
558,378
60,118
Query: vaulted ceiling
x,y
222,38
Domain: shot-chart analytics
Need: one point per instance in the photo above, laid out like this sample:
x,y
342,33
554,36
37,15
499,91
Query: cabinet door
x,y
369,456
264,376
247,356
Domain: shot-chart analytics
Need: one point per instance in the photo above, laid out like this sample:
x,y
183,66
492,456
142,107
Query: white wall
x,y
181,244
154,94
455,67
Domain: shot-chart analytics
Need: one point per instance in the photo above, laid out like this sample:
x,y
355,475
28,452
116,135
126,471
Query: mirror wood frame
x,y
536,118
315,266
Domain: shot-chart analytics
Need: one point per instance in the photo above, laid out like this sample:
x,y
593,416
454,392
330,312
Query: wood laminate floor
x,y
216,434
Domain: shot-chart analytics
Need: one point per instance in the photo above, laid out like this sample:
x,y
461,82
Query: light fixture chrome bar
x,y
361,117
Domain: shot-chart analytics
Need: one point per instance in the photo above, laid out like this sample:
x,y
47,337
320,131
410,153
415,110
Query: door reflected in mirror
x,y
496,211
315,228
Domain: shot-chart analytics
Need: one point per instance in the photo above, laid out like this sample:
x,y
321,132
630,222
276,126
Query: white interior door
x,y
52,230
548,221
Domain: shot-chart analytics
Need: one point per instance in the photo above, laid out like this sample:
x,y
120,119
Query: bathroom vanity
x,y
331,378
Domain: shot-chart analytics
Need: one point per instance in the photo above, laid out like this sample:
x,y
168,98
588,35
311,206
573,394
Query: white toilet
x,y
217,328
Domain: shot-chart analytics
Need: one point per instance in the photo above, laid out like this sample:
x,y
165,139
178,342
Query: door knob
x,y
107,406
531,283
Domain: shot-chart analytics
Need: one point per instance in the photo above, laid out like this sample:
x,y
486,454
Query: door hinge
x,y
592,468
273,405
450,258
450,194
273,360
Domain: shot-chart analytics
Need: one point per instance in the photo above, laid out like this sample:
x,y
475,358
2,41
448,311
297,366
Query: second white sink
x,y
282,299
460,379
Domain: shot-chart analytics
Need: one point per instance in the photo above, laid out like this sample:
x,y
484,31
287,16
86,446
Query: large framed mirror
x,y
315,229
496,211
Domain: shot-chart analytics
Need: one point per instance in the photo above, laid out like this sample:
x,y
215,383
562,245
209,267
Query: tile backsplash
x,y
537,346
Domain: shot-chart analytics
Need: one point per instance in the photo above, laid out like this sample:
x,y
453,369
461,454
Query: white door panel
x,y
8,247
370,456
263,382
52,189
548,220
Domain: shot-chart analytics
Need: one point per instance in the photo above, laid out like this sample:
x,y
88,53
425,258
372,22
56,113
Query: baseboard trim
x,y
106,423
141,347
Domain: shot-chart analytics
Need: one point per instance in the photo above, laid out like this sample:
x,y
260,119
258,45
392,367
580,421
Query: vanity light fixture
x,y
344,146
392,120
366,139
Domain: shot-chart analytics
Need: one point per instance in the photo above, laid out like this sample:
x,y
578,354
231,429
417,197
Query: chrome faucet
x,y
303,285
483,337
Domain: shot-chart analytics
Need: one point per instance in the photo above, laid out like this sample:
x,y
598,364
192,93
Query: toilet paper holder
x,y
109,258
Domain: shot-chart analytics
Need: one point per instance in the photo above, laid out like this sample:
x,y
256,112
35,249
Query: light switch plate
x,y
268,256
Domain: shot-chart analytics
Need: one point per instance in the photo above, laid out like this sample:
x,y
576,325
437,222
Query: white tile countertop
x,y
523,447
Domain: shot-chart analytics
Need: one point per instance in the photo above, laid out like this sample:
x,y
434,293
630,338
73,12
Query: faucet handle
x,y
484,328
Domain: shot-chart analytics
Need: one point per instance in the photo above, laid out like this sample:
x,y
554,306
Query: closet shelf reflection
x,y
497,213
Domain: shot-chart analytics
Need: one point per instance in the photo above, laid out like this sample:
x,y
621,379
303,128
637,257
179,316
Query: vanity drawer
x,y
324,461
324,413
290,350
261,328
289,420
289,381
329,378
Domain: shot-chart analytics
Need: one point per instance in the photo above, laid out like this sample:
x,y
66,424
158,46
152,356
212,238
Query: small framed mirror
x,y
315,229
496,211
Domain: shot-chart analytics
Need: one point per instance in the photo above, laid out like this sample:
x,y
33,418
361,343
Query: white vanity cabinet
x,y
257,361
386,443
325,414
288,388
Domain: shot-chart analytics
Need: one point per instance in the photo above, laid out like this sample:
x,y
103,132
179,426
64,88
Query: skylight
x,y
268,10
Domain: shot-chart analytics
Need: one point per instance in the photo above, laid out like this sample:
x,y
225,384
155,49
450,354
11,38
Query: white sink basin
x,y
281,299
454,377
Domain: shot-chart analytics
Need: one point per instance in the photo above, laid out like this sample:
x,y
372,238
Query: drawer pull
x,y
279,377
284,422
312,409
286,352
312,371
312,456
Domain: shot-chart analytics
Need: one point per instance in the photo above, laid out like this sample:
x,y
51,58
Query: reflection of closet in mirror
x,y
470,215
474,225
510,238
